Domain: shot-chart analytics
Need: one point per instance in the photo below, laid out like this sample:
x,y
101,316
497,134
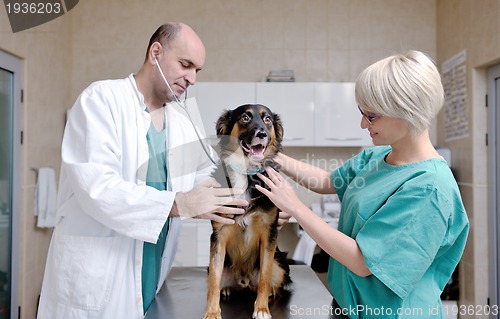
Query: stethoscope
x,y
182,105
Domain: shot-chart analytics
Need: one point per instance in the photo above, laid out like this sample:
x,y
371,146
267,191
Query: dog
x,y
244,255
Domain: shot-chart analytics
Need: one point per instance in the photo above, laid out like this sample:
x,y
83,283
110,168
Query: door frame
x,y
13,64
494,184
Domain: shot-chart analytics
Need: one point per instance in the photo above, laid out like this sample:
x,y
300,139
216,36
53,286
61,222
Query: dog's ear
x,y
278,128
223,123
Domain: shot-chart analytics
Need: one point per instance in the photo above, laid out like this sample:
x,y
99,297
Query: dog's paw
x,y
213,315
261,313
225,292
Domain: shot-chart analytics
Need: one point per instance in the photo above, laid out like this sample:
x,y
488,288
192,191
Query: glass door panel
x,y
6,169
494,186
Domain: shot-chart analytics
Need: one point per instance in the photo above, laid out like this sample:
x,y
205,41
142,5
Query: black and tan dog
x,y
244,256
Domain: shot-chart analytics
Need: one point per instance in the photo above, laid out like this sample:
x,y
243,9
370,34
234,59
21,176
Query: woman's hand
x,y
283,218
280,192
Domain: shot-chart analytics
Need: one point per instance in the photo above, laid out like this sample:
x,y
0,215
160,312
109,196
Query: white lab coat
x,y
105,210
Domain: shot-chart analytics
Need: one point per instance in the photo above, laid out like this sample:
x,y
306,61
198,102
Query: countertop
x,y
185,291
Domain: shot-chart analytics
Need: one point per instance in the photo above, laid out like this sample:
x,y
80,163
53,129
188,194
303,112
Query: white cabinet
x,y
294,102
204,231
186,250
194,243
313,114
337,118
190,92
215,97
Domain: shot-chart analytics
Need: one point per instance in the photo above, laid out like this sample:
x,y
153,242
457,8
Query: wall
x,y
46,55
322,40
474,26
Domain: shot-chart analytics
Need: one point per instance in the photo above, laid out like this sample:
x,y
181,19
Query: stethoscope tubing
x,y
183,106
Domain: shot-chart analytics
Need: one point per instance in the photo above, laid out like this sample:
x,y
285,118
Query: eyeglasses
x,y
369,117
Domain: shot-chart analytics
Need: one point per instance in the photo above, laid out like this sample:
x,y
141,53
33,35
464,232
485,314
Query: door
x,y
494,183
9,181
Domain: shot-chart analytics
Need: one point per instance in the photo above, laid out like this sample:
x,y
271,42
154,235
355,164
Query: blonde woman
x,y
403,226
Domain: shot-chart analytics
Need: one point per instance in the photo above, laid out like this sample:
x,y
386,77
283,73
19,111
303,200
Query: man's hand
x,y
207,199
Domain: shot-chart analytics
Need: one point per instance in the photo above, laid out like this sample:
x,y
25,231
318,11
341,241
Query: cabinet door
x,y
294,102
337,118
186,249
215,97
203,242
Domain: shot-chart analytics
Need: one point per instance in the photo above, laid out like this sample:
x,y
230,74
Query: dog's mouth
x,y
255,150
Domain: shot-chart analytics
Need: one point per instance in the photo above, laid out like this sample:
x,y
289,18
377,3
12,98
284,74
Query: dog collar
x,y
243,170
255,170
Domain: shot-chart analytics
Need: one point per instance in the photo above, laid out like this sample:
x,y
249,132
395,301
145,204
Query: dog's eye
x,y
268,119
245,118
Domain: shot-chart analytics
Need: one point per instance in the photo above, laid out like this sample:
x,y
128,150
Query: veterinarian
x,y
128,172
402,227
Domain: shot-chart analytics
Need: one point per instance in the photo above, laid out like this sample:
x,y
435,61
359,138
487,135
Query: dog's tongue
x,y
255,152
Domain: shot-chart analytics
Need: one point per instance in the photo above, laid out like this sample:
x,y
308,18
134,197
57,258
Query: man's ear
x,y
155,50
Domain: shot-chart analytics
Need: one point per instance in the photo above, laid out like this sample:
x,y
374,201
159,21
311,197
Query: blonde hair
x,y
405,86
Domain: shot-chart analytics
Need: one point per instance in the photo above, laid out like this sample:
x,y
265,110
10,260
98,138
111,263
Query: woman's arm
x,y
338,245
311,177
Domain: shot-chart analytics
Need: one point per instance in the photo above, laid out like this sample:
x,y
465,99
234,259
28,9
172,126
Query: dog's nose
x,y
261,134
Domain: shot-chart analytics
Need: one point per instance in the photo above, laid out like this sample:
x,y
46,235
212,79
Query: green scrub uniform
x,y
157,178
411,226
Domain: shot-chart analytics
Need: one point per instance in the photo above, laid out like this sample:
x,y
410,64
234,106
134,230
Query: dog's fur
x,y
244,256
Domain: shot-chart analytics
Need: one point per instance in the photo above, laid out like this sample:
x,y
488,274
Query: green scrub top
x,y
411,226
152,253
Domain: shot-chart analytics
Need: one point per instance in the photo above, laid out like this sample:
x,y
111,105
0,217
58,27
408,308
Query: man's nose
x,y
191,77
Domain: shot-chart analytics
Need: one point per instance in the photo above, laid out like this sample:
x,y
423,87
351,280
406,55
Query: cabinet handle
x,y
343,139
293,139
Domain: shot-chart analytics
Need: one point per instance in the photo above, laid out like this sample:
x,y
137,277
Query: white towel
x,y
304,251
45,197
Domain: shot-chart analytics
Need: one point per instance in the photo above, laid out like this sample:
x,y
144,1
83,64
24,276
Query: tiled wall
x,y
462,24
322,40
46,55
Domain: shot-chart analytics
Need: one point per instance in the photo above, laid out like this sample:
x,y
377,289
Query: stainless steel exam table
x,y
185,291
